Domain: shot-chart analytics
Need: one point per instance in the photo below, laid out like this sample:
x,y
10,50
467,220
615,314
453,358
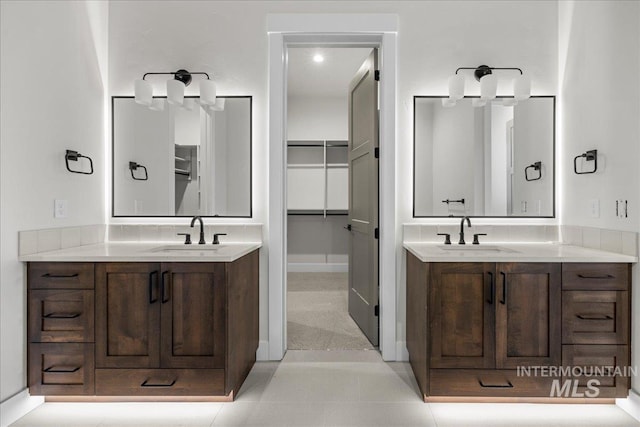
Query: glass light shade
x,y
218,106
522,87
448,102
207,92
488,87
188,104
478,102
175,92
456,86
157,104
143,92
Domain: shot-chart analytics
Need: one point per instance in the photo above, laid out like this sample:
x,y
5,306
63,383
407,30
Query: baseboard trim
x,y
18,406
262,354
402,354
631,404
311,267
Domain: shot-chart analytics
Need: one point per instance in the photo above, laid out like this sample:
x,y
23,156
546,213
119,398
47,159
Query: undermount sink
x,y
193,247
475,248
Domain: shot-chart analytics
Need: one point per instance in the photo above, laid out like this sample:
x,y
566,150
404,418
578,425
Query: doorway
x,y
335,29
331,98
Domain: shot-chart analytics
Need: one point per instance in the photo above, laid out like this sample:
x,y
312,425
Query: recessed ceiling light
x,y
318,58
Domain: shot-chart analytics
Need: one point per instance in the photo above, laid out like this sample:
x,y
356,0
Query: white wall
x,y
435,38
52,82
317,118
599,85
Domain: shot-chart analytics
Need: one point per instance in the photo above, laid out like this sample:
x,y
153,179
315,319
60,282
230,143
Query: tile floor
x,y
336,388
317,314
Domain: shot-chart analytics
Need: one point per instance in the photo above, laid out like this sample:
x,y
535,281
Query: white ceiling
x,y
328,78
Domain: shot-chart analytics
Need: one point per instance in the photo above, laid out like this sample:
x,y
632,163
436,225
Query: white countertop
x,y
146,252
512,252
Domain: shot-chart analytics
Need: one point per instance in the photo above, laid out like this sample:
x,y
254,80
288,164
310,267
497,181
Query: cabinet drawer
x,y
61,369
61,315
595,317
60,275
160,382
582,276
593,360
487,383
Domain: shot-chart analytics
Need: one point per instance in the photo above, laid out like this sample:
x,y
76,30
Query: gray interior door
x,y
363,198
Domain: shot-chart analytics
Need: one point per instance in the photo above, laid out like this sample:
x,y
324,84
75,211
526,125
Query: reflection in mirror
x,y
483,161
197,161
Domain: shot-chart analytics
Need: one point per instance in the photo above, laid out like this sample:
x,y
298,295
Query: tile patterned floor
x,y
335,388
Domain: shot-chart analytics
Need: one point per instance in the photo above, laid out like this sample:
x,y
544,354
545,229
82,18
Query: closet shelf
x,y
181,159
337,165
182,172
305,165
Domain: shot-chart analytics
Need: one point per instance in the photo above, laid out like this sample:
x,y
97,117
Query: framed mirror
x,y
496,160
184,160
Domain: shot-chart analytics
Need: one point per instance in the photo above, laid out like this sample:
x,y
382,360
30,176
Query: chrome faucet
x,y
193,221
461,242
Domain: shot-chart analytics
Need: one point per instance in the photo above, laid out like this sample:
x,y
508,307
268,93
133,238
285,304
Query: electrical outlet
x,y
60,208
594,208
622,208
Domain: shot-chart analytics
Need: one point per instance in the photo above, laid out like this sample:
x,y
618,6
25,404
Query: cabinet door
x,y
193,315
528,319
127,315
462,302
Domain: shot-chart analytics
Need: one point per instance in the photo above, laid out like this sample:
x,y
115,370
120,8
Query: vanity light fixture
x,y
488,85
175,88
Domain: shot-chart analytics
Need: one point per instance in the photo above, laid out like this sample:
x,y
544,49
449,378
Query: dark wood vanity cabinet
x,y
472,326
165,329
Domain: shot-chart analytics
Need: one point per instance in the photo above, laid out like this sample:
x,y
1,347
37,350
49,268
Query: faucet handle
x,y
475,238
187,238
215,238
447,238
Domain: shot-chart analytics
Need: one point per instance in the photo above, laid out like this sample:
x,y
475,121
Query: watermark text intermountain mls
x,y
569,381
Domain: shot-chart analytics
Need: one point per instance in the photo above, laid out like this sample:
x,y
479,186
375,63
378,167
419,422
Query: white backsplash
x,y
51,239
495,233
622,242
239,233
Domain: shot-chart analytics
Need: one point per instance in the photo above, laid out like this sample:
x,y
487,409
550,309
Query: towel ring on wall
x,y
74,156
589,156
134,166
537,166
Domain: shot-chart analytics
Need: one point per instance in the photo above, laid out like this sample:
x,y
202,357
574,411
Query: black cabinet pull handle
x,y
608,276
60,276
503,301
492,291
62,315
594,317
153,286
147,384
62,369
166,287
507,385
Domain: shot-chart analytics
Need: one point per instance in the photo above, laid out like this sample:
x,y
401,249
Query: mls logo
x,y
569,388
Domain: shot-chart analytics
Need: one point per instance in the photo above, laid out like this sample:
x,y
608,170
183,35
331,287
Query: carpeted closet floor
x,y
317,314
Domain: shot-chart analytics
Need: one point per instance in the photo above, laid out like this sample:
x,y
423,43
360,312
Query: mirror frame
x,y
113,147
555,168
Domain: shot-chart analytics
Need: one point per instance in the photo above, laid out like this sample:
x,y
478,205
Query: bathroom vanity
x,y
477,319
137,320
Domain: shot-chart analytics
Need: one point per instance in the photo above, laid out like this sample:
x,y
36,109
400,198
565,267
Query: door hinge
x,y
376,152
376,233
376,75
376,311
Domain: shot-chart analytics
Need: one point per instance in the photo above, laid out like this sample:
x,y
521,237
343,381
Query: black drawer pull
x,y
594,317
492,291
153,287
62,315
60,276
608,276
507,385
166,286
62,369
147,384
503,301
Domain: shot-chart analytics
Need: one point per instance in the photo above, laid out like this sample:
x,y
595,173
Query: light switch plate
x,y
60,208
594,208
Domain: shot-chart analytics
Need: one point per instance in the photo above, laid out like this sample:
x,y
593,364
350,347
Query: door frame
x,y
376,30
